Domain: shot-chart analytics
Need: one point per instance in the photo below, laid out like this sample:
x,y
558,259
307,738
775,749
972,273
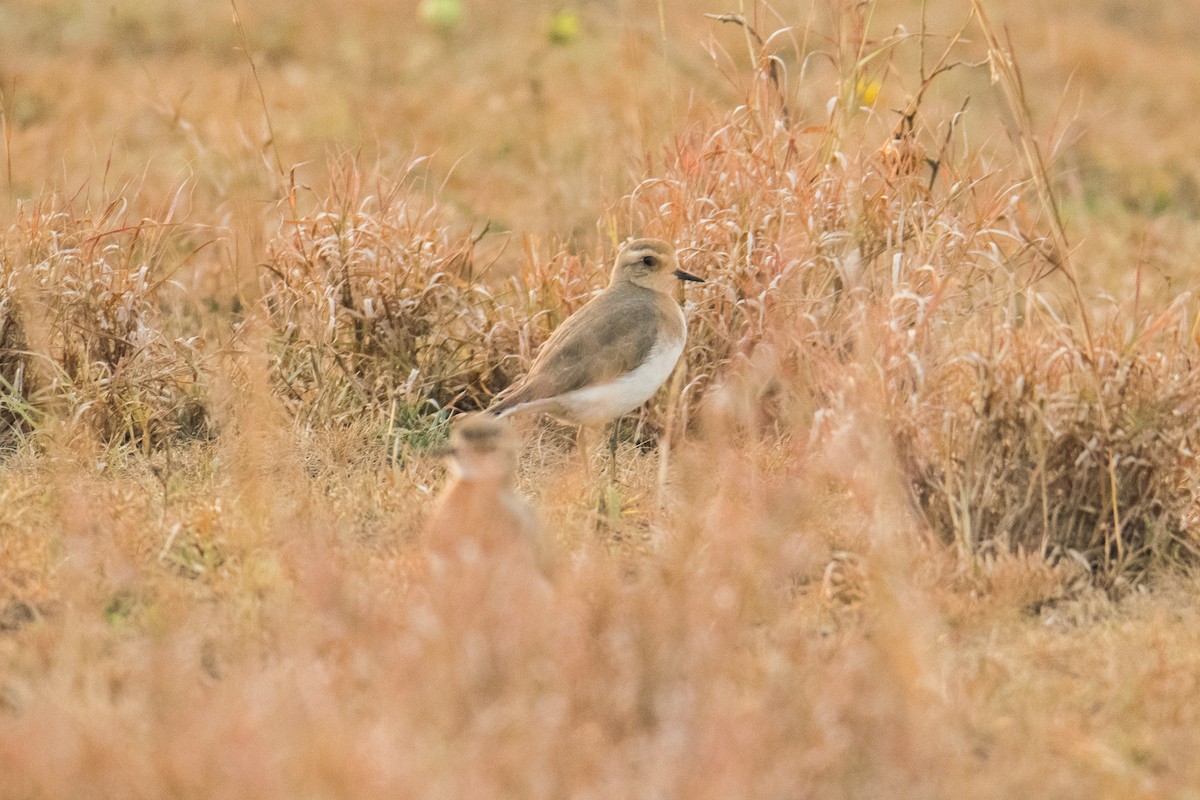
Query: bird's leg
x,y
608,506
612,450
581,449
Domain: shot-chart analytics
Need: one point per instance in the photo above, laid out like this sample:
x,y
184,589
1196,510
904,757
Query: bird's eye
x,y
649,261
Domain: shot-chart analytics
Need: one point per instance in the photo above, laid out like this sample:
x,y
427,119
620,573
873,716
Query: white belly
x,y
596,405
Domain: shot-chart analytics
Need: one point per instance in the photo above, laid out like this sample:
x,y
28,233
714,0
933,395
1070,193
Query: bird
x,y
612,355
480,514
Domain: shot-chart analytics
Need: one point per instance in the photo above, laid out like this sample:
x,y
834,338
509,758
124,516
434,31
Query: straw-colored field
x,y
915,517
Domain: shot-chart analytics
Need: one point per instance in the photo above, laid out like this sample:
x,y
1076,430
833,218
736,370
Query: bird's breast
x,y
601,403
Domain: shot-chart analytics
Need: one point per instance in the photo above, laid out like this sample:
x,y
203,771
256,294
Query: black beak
x,y
687,276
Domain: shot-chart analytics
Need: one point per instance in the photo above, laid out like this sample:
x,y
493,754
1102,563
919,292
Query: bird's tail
x,y
505,403
518,402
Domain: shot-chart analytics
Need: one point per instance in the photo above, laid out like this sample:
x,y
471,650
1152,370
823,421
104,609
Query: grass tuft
x,y
83,336
373,301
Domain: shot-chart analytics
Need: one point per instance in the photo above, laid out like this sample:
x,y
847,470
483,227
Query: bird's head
x,y
649,263
482,446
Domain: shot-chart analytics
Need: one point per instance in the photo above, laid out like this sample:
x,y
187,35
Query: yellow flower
x,y
441,14
564,27
866,92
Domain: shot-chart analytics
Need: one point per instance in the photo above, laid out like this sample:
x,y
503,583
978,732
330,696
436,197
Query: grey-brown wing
x,y
606,338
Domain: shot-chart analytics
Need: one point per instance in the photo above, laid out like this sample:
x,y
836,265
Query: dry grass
x,y
373,301
82,329
1049,452
916,517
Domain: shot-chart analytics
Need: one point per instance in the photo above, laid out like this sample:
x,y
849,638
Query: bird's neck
x,y
482,476
624,285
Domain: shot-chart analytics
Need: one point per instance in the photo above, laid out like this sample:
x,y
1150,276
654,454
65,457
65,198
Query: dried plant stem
x,y
262,95
1007,74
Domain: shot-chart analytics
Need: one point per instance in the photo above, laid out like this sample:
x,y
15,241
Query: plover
x,y
480,513
611,356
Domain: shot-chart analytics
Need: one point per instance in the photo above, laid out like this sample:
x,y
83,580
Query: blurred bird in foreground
x,y
480,515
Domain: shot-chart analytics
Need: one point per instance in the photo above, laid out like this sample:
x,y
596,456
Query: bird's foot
x,y
610,506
